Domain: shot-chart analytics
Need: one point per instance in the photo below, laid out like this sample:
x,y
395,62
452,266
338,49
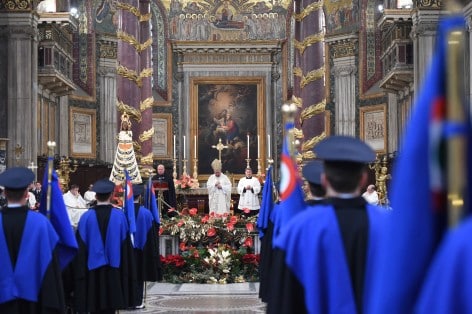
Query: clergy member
x,y
249,189
30,274
219,190
161,179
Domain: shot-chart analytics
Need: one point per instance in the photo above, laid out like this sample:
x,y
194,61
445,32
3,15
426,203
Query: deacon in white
x,y
249,188
75,205
219,190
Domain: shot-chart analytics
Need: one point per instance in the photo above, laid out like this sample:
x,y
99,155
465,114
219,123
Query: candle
x,y
248,146
268,144
184,146
195,146
258,147
174,146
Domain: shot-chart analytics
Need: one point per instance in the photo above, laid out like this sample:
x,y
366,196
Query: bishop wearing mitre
x,y
219,190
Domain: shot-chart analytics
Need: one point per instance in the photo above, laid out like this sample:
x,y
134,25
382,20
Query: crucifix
x,y
219,147
33,168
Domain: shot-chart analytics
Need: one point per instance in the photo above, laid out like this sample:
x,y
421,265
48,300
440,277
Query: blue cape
x,y
144,222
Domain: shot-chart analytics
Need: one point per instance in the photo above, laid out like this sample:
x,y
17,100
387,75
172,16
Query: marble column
x,y
392,123
62,121
344,71
107,99
309,72
423,33
146,130
19,37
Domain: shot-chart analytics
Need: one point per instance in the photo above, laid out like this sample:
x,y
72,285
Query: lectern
x,y
160,186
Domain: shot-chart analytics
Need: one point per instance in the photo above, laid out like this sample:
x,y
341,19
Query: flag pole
x,y
456,144
51,146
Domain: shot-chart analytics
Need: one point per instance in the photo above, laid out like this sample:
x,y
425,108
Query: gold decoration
x,y
308,10
146,104
131,111
147,160
145,17
308,41
129,8
133,41
65,169
312,110
133,75
298,101
18,5
308,155
332,6
297,133
136,146
310,77
146,135
308,145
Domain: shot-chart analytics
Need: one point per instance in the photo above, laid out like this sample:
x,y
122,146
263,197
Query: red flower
x,y
180,223
161,231
250,259
250,227
193,211
233,219
248,242
182,246
211,232
246,210
205,219
230,226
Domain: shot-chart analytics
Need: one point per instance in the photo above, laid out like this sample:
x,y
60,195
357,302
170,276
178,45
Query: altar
x,y
198,198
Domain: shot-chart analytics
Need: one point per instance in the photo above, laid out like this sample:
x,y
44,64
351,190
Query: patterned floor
x,y
201,298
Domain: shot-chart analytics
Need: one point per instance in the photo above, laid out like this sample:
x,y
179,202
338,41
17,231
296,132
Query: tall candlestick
x,y
268,144
184,146
174,146
248,146
258,147
195,146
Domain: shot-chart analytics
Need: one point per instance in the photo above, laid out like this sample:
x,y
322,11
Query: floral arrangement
x,y
215,264
186,182
213,248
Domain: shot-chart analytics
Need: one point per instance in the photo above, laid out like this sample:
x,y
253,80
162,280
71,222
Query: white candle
x,y
174,146
184,146
268,145
258,147
195,146
248,146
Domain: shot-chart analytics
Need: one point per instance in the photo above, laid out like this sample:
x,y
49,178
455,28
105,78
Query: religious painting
x,y
82,132
228,123
162,138
373,126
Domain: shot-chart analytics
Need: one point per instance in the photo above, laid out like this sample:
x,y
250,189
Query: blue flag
x,y
267,204
67,247
128,203
150,201
418,192
291,194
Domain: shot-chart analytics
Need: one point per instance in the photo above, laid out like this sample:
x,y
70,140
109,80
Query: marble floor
x,y
202,298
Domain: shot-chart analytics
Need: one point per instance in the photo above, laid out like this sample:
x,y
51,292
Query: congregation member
x,y
30,274
146,246
312,173
371,195
321,257
104,269
164,180
219,190
249,188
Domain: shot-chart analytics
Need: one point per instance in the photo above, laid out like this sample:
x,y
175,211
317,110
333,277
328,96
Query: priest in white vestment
x,y
219,190
249,188
75,204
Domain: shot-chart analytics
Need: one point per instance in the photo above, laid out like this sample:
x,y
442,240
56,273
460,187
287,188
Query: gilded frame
x,y
373,127
245,102
82,132
162,137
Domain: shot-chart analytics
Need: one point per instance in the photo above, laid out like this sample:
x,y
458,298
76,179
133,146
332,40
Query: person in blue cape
x,y
312,173
321,257
448,282
105,267
30,273
146,246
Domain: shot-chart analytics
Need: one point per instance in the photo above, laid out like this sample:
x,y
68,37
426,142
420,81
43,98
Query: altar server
x,y
249,189
30,275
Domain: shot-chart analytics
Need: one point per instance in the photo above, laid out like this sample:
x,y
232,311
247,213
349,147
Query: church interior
x,y
206,79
